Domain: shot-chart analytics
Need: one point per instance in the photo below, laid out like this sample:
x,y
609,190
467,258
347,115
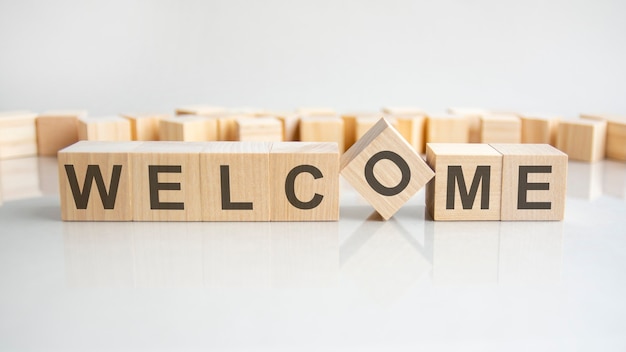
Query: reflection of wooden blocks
x,y
473,116
199,110
447,129
385,169
264,129
467,184
239,187
403,110
500,129
322,129
582,139
539,128
166,178
95,181
19,178
17,134
533,182
57,130
304,181
412,129
144,127
188,128
109,128
316,111
615,134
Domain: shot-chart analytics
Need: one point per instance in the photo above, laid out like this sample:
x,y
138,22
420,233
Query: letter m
x,y
81,198
482,176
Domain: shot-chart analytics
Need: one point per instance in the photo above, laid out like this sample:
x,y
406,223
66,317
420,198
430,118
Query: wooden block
x,y
365,123
473,116
290,122
412,129
385,169
447,129
239,189
349,126
109,128
199,110
467,184
500,129
264,129
322,129
57,130
403,110
304,181
539,128
188,128
615,134
19,178
316,111
17,134
95,181
166,181
534,178
582,139
144,126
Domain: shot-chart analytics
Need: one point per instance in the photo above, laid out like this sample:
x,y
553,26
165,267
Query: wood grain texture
x,y
447,129
473,117
106,128
350,126
17,134
412,128
261,129
539,128
57,130
144,126
322,129
500,128
582,139
188,128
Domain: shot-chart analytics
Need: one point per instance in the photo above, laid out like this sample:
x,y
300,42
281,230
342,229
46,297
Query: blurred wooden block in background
x,y
144,126
316,111
534,178
322,129
304,181
350,126
467,183
582,139
262,129
291,125
412,129
615,134
473,116
17,134
447,129
237,186
57,130
106,128
188,128
385,169
227,125
19,178
539,128
95,181
199,110
500,128
365,123
403,110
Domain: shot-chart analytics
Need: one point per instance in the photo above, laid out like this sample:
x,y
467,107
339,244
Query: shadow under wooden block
x,y
199,110
473,116
412,129
582,139
57,130
108,128
261,129
385,169
447,129
539,128
615,134
322,129
534,179
237,186
144,126
304,181
188,128
497,128
95,181
17,134
467,183
166,178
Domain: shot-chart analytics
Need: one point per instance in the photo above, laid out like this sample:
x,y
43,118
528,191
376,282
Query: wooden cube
x,y
447,129
57,130
304,181
539,128
385,169
350,126
227,126
291,125
17,134
615,134
412,129
322,129
467,184
109,128
199,110
365,123
188,128
19,178
403,110
263,129
166,180
239,188
499,128
534,178
582,139
144,126
473,116
95,181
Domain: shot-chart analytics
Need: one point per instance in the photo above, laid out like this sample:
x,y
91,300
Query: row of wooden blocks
x,y
299,181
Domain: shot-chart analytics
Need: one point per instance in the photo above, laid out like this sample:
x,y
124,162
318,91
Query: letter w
x,y
455,174
81,198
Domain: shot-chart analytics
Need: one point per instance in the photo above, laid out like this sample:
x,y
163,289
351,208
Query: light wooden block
x,y
615,134
412,129
19,178
304,181
95,181
350,126
166,180
188,128
239,188
582,139
534,178
262,129
144,126
108,128
403,110
57,130
500,129
473,116
467,184
322,129
199,110
291,125
539,128
385,169
365,123
17,134
316,111
447,129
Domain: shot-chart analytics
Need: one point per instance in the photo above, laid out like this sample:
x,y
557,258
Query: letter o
x,y
379,187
